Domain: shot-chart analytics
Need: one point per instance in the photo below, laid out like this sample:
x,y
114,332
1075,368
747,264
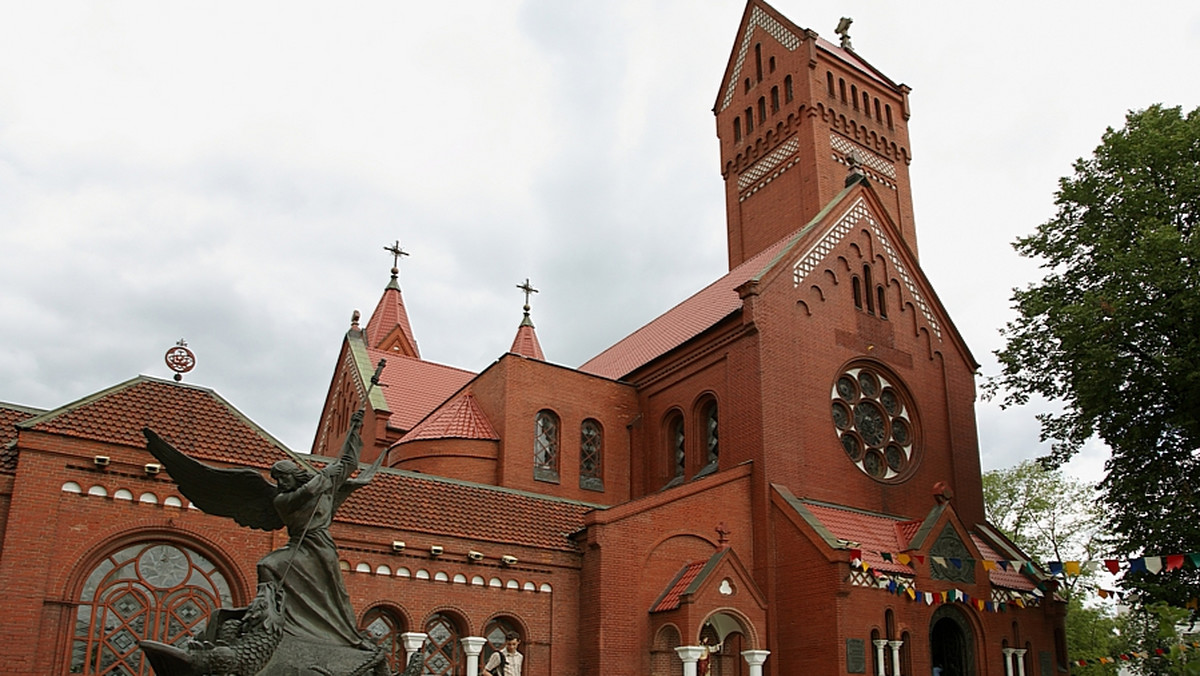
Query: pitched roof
x,y
195,419
1002,577
10,415
872,533
438,506
672,596
459,418
525,343
413,387
389,329
683,322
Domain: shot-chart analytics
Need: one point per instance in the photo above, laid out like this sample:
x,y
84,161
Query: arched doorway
x,y
728,631
952,642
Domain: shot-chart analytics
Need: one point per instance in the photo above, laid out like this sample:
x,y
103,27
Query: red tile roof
x,y
194,419
426,504
526,342
684,321
1001,577
671,598
873,533
414,387
388,317
10,415
852,59
906,531
460,418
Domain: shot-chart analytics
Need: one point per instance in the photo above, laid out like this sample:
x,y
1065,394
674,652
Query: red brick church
x,y
784,465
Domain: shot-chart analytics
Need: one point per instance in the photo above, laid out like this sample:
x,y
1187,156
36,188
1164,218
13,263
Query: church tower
x,y
792,109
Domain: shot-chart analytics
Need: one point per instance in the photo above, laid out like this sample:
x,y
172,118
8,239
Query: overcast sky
x,y
229,173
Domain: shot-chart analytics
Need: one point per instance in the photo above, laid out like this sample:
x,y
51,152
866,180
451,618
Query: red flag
x,y
1174,561
1112,565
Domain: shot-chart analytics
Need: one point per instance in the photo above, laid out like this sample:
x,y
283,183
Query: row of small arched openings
x,y
883,113
403,572
862,134
145,497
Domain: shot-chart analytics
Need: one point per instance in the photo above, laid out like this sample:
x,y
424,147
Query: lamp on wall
x,y
152,468
436,550
474,555
397,545
100,460
508,560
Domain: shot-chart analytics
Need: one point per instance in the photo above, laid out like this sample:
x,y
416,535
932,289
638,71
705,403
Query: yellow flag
x,y
1072,567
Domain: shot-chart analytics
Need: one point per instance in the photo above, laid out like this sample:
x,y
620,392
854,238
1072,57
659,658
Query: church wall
x,y
632,553
530,386
466,459
805,612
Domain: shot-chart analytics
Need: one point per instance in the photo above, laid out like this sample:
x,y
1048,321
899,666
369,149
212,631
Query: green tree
x,y
1154,630
1112,333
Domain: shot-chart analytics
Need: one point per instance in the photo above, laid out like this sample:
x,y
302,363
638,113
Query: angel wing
x,y
355,483
240,493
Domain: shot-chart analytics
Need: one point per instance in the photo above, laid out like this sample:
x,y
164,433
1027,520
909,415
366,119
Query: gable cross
x,y
396,252
528,289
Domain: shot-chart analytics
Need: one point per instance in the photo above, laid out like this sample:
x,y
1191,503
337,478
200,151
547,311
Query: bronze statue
x,y
301,621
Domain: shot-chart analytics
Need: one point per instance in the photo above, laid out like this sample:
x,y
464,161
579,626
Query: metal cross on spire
x,y
528,289
396,252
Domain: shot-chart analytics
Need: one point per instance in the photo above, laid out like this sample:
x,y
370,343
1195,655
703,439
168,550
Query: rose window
x,y
874,423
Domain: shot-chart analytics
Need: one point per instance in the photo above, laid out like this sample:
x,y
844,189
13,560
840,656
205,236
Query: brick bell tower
x,y
791,109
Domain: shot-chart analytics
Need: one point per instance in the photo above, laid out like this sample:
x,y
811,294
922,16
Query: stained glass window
x,y
874,421
545,447
157,591
591,446
384,627
443,652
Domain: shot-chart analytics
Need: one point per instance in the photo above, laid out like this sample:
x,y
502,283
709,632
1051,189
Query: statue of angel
x,y
315,609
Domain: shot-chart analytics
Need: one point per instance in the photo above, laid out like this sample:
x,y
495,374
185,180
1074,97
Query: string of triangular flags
x,y
904,587
1127,657
1145,564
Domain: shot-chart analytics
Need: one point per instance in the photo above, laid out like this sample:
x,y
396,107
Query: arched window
x,y
867,288
758,61
158,591
749,120
676,448
384,626
881,301
591,455
737,130
495,633
857,284
787,89
443,650
774,100
888,109
712,444
854,96
771,65
545,447
877,115
842,89
747,84
762,110
829,82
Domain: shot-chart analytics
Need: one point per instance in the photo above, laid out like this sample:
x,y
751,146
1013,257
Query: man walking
x,y
506,662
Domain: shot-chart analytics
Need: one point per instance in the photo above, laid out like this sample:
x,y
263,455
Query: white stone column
x,y
1008,653
879,664
895,646
1019,657
690,654
755,659
472,646
414,642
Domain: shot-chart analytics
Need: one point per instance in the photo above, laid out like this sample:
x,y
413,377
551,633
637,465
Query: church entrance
x,y
952,642
725,630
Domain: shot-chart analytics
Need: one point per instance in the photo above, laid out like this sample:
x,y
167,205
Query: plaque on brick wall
x,y
856,656
1045,663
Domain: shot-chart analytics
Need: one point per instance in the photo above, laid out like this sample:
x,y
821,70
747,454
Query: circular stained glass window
x,y
874,421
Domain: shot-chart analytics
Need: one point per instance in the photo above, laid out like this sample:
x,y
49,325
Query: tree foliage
x,y
1112,332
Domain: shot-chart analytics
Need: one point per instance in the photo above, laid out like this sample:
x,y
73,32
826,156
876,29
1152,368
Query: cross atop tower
x,y
396,252
528,289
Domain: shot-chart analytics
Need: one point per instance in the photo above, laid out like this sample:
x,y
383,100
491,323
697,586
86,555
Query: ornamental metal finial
x,y
843,29
180,359
396,252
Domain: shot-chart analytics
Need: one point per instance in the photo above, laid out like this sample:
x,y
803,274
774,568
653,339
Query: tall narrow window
x,y
877,115
711,436
591,449
382,626
676,453
881,301
856,283
762,110
842,89
774,100
867,104
749,120
854,96
771,65
545,447
888,109
758,62
737,130
829,82
158,591
747,84
867,289
787,89
443,655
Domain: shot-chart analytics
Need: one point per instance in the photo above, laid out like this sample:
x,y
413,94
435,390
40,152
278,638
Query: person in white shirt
x,y
506,662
